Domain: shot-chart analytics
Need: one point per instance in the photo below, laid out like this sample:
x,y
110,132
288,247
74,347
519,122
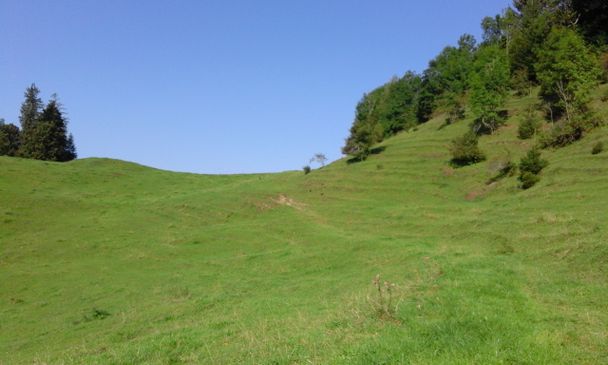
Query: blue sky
x,y
218,86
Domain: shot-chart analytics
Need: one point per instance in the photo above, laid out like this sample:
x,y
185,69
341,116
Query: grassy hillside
x,y
103,261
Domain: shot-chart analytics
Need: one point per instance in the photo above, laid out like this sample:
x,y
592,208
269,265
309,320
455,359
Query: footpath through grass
x,y
103,261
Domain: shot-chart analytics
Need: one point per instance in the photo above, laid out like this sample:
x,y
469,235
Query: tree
x,y
361,140
532,21
529,125
48,138
29,117
567,72
383,112
31,107
492,29
530,167
592,18
319,158
449,71
489,86
9,139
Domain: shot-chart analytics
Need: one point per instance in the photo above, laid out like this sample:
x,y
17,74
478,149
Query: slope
x,y
104,261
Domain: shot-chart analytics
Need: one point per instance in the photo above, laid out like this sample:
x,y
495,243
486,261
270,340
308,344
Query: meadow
x,y
109,262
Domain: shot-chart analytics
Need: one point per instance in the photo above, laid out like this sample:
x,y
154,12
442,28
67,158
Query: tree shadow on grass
x,y
373,151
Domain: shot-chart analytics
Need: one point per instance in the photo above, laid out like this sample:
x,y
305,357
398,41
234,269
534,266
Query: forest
x,y
560,46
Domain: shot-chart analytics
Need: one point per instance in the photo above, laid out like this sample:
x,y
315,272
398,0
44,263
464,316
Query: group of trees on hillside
x,y
43,134
554,44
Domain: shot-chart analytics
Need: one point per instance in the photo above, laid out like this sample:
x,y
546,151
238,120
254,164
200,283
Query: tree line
x,y
43,134
524,46
560,46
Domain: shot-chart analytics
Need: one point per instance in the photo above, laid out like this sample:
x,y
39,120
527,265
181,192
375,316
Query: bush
x,y
528,126
597,148
465,150
566,132
533,162
530,166
306,169
528,180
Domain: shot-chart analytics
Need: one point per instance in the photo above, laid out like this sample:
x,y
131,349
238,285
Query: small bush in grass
x,y
95,314
306,170
530,166
528,180
529,125
465,150
597,148
383,305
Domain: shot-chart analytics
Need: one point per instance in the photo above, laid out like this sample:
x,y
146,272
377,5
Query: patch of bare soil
x,y
283,199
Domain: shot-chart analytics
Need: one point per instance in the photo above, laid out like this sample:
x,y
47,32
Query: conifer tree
x,y
58,145
29,117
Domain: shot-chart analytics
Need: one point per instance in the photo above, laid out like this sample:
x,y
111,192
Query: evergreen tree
x,y
530,167
70,149
29,117
9,139
48,139
31,107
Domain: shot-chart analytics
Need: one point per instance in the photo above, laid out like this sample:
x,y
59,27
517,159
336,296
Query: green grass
x,y
104,261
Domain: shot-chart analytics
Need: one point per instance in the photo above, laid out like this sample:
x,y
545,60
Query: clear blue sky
x,y
218,86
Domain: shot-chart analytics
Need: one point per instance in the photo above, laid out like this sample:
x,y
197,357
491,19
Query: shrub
x,y
533,162
597,148
465,150
306,170
528,126
528,180
383,305
566,132
530,166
